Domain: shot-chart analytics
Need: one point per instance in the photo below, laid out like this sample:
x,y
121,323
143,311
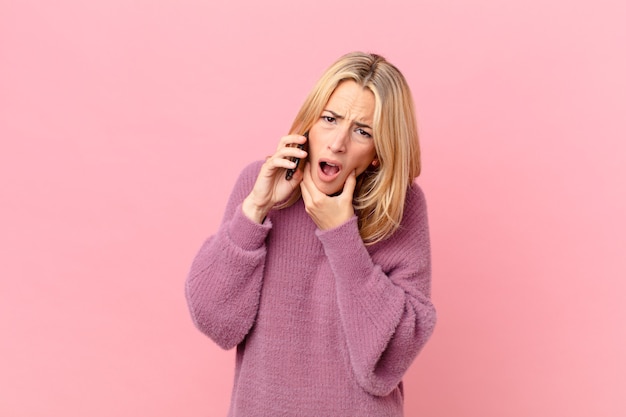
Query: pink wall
x,y
124,124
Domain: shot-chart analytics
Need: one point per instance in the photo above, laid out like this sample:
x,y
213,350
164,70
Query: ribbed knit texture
x,y
324,326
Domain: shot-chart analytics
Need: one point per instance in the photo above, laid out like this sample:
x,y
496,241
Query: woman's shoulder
x,y
415,203
252,169
248,175
414,223
244,184
414,219
409,245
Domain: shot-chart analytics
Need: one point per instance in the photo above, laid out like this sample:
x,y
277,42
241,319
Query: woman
x,y
322,281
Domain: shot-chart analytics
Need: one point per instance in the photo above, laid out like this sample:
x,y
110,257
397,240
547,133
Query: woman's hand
x,y
327,212
271,187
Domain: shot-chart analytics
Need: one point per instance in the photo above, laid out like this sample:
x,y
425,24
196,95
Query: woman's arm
x,y
224,284
386,315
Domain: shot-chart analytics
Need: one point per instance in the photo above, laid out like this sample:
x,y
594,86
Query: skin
x,y
342,136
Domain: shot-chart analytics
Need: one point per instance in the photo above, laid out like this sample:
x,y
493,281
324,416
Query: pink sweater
x,y
324,326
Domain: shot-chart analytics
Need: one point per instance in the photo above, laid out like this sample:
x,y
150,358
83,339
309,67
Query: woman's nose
x,y
338,144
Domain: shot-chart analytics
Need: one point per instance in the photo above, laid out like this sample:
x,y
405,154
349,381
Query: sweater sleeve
x,y
224,284
387,315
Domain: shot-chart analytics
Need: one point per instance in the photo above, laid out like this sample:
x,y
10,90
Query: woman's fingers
x,y
286,152
271,186
290,139
348,187
327,212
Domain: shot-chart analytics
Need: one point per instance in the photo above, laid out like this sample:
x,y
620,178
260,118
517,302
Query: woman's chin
x,y
329,188
332,191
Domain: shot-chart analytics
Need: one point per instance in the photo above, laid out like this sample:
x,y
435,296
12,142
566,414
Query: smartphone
x,y
292,171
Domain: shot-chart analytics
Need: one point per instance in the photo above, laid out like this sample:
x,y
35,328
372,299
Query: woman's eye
x,y
363,133
329,119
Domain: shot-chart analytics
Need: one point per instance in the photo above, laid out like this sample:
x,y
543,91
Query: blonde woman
x,y
321,277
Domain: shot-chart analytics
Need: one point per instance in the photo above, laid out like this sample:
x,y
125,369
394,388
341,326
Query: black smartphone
x,y
292,171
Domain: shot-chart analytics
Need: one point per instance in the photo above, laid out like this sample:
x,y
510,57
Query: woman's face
x,y
341,141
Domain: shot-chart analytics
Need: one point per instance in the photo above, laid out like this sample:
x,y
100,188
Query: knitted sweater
x,y
324,326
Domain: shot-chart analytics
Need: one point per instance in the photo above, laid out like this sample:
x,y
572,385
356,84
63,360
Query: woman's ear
x,y
375,162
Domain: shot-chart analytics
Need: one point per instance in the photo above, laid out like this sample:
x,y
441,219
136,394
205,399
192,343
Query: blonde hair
x,y
381,191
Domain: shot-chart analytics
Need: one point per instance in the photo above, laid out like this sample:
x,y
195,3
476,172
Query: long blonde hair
x,y
381,191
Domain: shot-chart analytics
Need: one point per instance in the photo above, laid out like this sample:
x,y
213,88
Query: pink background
x,y
124,124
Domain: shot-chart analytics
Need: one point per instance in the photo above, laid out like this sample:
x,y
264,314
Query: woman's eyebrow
x,y
338,116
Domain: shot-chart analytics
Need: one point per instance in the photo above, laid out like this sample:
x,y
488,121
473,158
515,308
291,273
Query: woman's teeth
x,y
329,169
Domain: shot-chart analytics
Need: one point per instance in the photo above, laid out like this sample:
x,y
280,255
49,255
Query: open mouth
x,y
329,169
